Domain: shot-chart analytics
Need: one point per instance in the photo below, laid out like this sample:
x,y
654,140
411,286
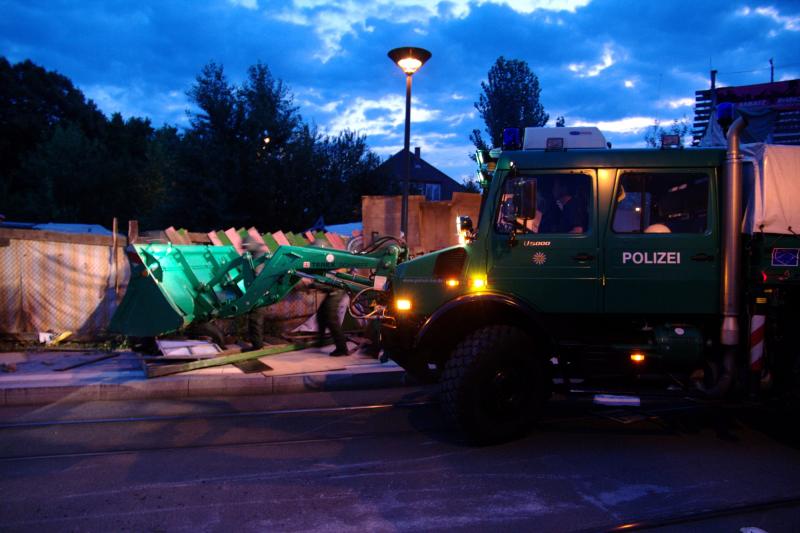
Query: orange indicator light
x,y
478,283
452,282
637,357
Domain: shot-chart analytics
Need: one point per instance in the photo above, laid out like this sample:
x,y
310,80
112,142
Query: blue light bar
x,y
511,139
726,110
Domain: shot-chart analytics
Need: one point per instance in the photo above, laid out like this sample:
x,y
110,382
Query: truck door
x,y
661,246
544,246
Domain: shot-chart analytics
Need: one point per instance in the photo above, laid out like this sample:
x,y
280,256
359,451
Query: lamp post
x,y
409,59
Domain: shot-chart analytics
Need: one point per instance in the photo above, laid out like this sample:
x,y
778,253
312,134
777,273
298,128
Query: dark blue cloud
x,y
140,57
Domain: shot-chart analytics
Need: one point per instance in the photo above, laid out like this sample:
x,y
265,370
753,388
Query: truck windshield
x,y
561,204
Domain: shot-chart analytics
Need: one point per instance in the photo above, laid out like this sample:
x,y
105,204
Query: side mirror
x,y
465,229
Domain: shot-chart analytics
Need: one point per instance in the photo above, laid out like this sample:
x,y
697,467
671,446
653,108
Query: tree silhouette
x,y
509,99
247,158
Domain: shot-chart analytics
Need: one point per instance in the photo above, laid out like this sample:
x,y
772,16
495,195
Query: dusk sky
x,y
617,65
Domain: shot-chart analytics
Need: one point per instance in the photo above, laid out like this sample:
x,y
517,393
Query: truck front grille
x,y
450,264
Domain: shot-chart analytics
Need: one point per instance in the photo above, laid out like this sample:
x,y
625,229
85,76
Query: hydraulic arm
x,y
172,286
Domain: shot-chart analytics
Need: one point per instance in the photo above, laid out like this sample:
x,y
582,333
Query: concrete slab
x,y
34,380
167,387
248,385
40,394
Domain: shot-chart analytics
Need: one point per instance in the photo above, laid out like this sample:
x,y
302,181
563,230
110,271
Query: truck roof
x,y
616,158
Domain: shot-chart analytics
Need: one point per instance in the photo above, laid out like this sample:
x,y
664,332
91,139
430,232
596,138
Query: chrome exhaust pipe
x,y
731,242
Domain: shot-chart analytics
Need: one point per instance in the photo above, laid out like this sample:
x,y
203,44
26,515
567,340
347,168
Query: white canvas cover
x,y
772,188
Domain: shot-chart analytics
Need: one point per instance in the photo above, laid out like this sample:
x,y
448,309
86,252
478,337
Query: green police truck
x,y
606,269
589,268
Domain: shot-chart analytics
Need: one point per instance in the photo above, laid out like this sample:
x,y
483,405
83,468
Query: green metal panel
x,y
679,282
415,280
774,257
543,268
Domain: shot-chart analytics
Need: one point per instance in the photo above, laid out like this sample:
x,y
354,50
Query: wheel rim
x,y
505,394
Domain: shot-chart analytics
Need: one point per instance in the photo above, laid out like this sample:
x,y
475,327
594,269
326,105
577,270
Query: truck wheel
x,y
493,385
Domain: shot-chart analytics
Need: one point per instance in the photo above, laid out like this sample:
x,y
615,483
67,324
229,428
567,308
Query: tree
x,y
509,99
652,136
246,159
250,159
561,121
34,103
351,173
63,172
471,185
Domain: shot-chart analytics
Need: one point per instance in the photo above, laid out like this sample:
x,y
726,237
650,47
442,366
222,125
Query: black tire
x,y
494,385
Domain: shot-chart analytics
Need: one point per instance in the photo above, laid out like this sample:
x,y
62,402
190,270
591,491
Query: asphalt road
x,y
381,461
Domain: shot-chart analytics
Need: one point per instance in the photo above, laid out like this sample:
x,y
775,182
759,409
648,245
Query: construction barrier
x,y
51,281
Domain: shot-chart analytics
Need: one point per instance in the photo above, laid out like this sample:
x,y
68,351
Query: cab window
x,y
661,202
545,203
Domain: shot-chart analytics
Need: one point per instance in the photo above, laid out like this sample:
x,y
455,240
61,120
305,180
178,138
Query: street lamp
x,y
409,59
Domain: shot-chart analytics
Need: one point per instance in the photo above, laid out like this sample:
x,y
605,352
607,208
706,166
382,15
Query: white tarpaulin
x,y
772,187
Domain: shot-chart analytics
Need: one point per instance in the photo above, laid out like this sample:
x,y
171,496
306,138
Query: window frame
x,y
711,223
591,201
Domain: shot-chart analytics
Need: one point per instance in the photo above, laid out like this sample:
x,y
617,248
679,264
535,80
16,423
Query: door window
x,y
661,202
545,203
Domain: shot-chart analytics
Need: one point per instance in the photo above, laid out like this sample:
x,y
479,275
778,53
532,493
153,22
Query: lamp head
x,y
409,58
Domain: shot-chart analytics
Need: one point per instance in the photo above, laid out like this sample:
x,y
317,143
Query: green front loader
x,y
172,286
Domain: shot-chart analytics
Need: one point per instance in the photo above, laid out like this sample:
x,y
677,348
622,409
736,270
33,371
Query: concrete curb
x,y
195,386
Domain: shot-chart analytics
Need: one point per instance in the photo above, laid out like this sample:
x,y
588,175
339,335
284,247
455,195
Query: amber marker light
x,y
452,282
403,304
478,283
637,358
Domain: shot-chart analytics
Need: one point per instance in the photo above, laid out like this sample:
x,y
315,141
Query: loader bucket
x,y
168,288
172,285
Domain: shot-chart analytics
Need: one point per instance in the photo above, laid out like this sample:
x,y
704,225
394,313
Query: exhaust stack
x,y
731,244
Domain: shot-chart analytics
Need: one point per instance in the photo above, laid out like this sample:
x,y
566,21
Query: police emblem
x,y
539,258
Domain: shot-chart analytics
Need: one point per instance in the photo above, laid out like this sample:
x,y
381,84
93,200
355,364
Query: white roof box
x,y
563,139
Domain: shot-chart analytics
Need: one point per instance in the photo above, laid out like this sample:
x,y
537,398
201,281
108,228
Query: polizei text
x,y
651,258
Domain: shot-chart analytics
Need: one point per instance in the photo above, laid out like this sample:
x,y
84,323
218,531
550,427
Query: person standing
x,y
328,314
256,317
328,319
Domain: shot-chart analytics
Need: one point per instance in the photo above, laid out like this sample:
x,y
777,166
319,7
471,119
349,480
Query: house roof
x,y
421,170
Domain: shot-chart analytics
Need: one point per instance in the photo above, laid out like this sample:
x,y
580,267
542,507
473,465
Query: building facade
x,y
426,179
